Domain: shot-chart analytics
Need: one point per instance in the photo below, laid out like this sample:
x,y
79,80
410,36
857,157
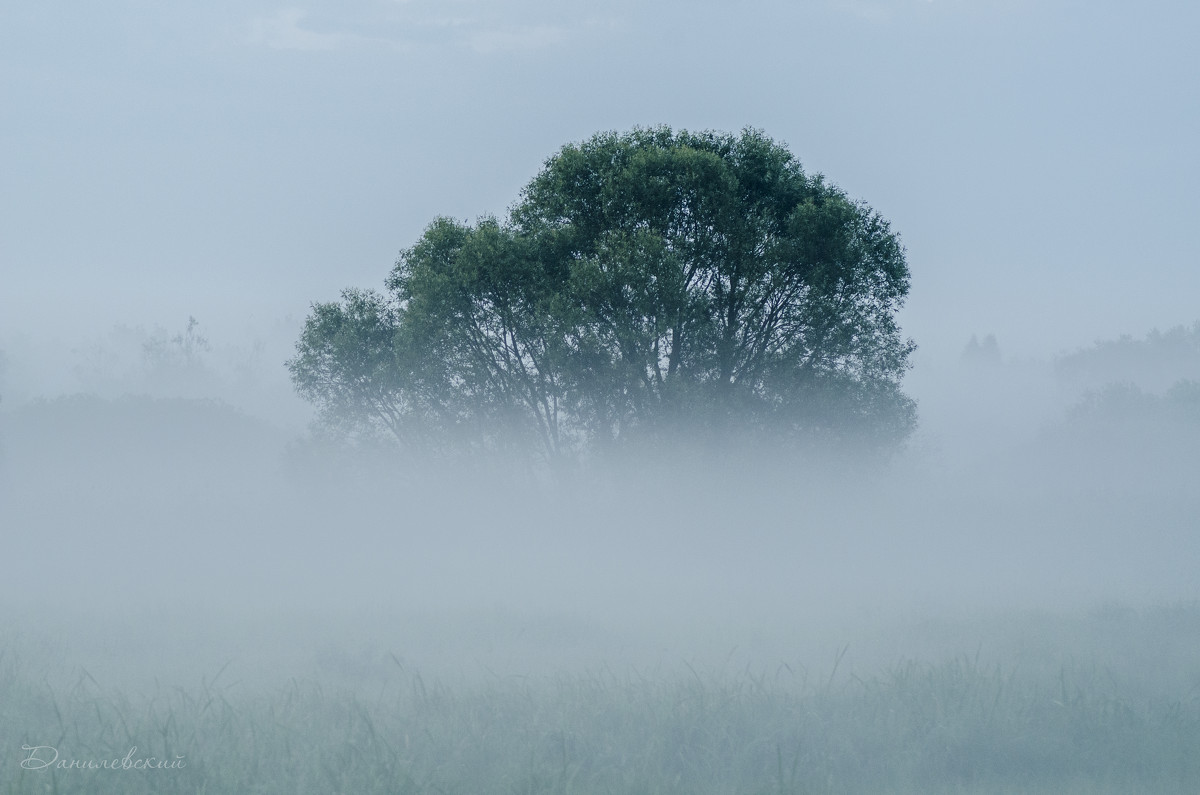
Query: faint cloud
x,y
284,31
879,11
871,12
409,23
451,22
514,38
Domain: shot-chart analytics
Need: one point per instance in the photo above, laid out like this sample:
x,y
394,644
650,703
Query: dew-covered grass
x,y
1116,715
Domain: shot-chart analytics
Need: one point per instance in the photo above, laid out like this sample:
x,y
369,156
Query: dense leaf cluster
x,y
647,286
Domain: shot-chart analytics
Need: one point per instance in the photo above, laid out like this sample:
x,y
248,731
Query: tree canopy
x,y
647,286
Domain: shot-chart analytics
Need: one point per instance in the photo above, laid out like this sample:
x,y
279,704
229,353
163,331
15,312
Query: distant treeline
x,y
1154,362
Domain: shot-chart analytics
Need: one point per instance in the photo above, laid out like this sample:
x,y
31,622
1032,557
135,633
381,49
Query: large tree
x,y
647,286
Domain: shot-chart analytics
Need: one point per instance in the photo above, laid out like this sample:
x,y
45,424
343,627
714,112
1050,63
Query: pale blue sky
x,y
231,160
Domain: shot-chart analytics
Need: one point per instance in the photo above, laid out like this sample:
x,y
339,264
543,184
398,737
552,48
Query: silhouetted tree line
x,y
1154,362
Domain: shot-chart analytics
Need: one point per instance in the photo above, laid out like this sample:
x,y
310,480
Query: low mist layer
x,y
179,542
139,504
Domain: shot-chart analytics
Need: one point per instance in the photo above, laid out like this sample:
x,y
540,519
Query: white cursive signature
x,y
41,757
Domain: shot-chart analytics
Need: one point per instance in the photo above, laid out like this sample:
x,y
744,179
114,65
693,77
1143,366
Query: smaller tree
x,y
986,353
179,356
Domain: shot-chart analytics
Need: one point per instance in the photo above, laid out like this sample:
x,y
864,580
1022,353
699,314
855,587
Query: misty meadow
x,y
513,398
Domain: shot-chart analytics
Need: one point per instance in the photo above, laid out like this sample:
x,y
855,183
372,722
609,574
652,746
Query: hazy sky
x,y
233,159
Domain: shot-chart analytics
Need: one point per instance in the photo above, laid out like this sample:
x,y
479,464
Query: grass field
x,y
1104,702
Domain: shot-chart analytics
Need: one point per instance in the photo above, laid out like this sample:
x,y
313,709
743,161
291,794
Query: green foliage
x,y
647,286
